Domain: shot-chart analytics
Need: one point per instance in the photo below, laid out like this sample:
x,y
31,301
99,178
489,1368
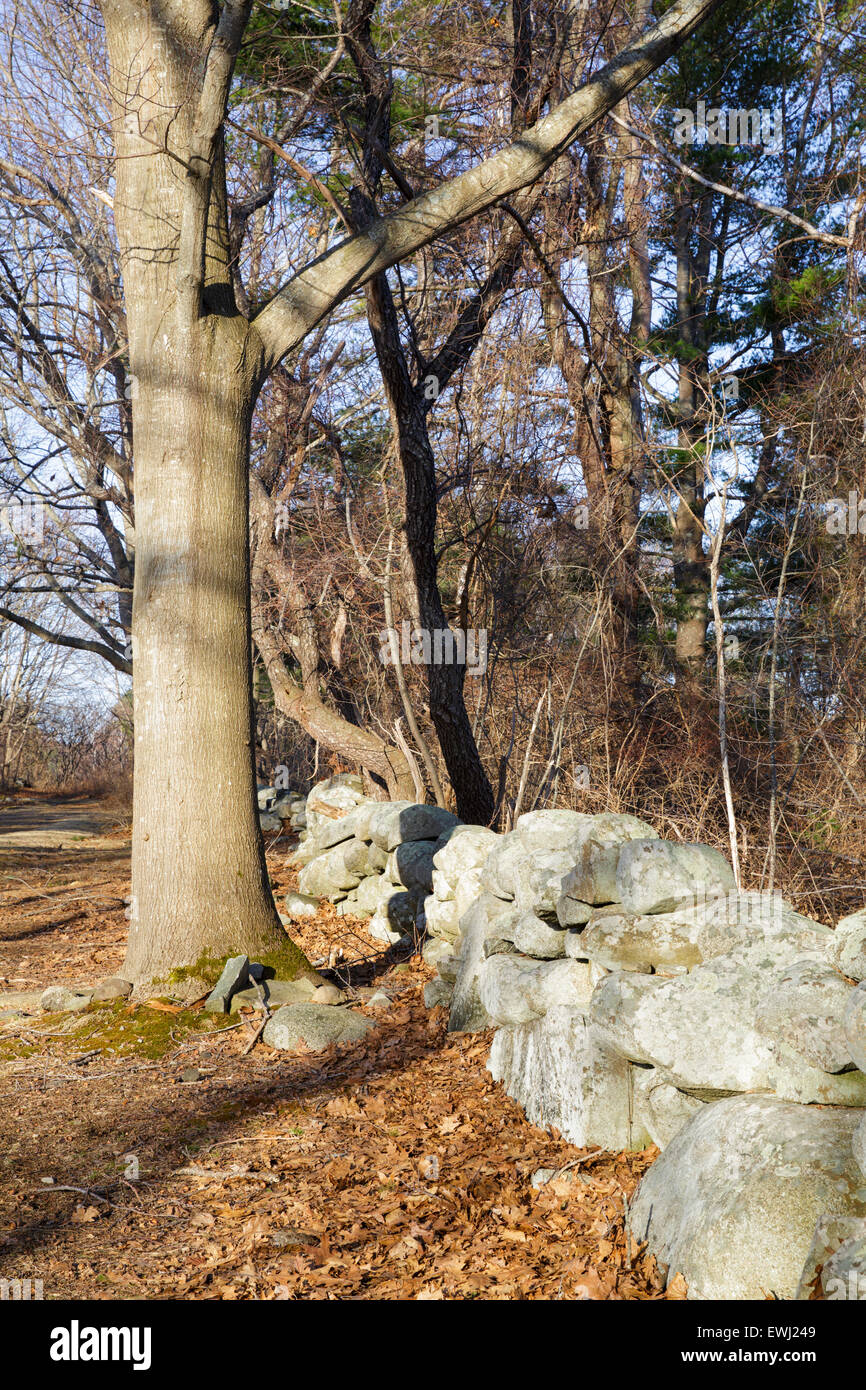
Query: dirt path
x,y
40,823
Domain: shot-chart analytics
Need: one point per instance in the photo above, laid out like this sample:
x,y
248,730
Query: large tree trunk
x,y
199,881
199,876
408,411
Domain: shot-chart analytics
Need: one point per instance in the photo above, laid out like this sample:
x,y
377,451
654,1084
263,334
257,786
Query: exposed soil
x,y
393,1168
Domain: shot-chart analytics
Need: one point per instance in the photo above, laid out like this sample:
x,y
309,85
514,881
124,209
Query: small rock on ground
x,y
235,976
327,994
18,1001
275,994
57,999
301,905
113,988
316,1026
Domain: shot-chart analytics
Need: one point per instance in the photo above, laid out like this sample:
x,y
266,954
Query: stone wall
x,y
373,859
637,997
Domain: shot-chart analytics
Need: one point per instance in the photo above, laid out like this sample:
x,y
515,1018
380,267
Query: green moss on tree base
x,y
287,962
207,968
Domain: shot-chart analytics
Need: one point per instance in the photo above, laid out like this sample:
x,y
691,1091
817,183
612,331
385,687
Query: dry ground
x,y
391,1169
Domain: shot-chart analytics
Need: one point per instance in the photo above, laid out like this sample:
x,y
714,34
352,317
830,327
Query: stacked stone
x,y
374,859
456,880
277,806
523,894
639,998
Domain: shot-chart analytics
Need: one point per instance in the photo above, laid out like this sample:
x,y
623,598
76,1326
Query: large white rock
x,y
358,858
398,822
554,840
482,924
805,1007
368,894
353,823
555,1068
699,1030
659,876
468,890
733,1201
308,849
443,919
551,829
298,906
497,873
328,873
337,794
315,1026
467,848
849,945
535,937
513,989
855,1026
596,856
726,920
662,940
538,880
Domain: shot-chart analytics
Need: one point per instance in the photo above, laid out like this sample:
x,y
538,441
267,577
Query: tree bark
x,y
199,880
690,563
472,789
199,876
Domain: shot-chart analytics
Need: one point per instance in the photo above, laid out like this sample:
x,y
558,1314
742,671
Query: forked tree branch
x,y
315,291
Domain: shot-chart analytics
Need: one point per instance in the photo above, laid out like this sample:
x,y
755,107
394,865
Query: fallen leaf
x,y
83,1213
